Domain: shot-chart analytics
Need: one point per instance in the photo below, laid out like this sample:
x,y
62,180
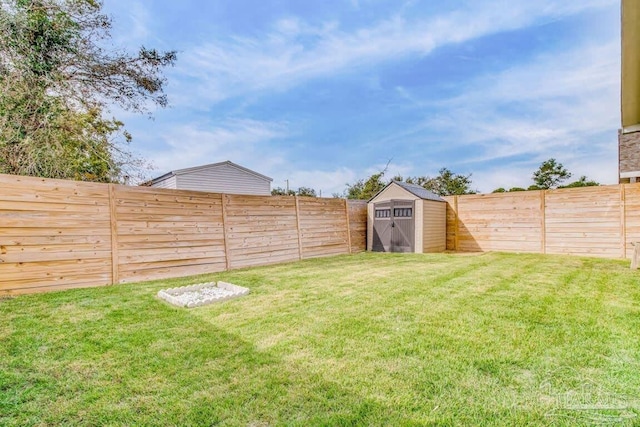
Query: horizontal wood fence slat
x,y
593,221
57,234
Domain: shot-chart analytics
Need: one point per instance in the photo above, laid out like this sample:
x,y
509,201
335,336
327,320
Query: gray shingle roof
x,y
419,191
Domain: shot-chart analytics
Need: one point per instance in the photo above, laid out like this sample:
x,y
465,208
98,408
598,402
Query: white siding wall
x,y
166,183
224,179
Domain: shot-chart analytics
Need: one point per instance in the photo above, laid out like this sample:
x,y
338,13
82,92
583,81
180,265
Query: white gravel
x,y
202,294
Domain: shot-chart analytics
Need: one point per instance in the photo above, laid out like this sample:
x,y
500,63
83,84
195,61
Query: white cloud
x,y
296,51
246,142
557,105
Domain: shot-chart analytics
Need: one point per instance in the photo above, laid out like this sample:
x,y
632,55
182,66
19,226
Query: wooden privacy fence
x,y
597,221
58,234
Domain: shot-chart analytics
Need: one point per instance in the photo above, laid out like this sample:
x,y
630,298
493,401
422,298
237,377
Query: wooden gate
x,y
394,226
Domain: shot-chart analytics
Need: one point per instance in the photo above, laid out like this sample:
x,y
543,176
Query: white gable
x,y
394,192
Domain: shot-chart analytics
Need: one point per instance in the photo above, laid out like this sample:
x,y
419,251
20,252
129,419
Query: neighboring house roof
x,y
416,190
211,165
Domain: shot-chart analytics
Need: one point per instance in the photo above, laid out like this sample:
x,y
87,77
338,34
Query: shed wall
x,y
419,226
434,226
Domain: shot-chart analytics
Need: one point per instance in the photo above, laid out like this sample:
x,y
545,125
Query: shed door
x,y
382,227
394,226
403,226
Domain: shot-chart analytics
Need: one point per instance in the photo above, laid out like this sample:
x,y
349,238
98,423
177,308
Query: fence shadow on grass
x,y
139,362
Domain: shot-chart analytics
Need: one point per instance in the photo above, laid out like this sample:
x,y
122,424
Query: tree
x,y
366,189
446,183
279,191
550,174
302,192
582,182
306,192
57,82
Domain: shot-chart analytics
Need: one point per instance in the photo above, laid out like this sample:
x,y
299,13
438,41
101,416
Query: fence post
x,y
456,236
346,211
543,221
298,227
623,221
115,275
223,200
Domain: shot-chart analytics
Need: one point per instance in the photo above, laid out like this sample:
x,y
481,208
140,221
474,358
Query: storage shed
x,y
406,218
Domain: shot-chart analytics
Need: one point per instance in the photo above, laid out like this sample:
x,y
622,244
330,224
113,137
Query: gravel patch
x,y
202,294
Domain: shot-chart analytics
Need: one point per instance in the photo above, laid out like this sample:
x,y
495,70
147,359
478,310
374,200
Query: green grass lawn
x,y
368,339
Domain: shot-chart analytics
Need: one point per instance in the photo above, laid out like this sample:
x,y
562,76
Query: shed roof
x,y
210,165
414,189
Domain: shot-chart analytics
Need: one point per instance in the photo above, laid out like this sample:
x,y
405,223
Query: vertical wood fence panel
x,y
168,233
497,222
593,221
57,234
323,227
54,234
583,221
261,230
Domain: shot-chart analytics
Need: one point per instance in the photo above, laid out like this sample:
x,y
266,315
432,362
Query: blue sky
x,y
326,92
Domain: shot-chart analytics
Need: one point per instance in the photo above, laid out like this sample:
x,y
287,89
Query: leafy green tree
x,y
499,190
582,182
306,192
446,183
57,82
279,191
366,189
550,174
512,189
302,192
